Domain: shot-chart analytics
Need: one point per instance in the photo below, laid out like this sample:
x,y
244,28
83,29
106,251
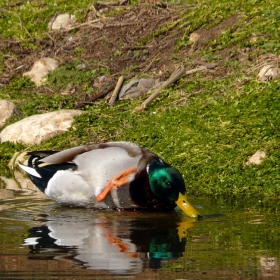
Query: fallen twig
x,y
116,91
126,48
51,43
99,95
179,73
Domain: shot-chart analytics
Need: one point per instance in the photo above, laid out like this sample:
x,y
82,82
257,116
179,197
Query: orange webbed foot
x,y
118,181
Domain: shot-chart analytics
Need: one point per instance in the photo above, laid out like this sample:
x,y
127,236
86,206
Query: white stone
x,y
63,21
40,69
7,109
267,73
256,158
37,128
194,37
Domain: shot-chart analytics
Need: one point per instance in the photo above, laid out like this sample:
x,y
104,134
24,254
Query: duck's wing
x,y
69,155
63,156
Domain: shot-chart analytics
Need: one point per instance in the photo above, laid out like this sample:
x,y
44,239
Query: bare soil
x,y
125,43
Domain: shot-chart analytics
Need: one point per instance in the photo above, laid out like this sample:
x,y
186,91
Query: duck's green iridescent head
x,y
167,183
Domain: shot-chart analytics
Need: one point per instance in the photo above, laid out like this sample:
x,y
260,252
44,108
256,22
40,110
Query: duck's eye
x,y
168,185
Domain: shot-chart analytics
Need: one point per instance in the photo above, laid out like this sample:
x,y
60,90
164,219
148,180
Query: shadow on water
x,y
42,240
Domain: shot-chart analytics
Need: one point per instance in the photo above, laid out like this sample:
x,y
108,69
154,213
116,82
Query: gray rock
x,y
37,128
7,110
63,21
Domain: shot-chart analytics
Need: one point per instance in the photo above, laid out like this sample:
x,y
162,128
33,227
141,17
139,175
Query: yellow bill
x,y
186,207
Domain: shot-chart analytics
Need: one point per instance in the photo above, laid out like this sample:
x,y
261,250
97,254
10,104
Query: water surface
x,y
42,240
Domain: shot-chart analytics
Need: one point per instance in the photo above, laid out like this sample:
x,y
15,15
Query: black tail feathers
x,y
40,172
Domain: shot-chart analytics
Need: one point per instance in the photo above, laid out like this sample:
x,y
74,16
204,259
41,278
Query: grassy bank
x,y
207,124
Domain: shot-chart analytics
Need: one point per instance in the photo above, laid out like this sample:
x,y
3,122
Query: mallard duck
x,y
119,175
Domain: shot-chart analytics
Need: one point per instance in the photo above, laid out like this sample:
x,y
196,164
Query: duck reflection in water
x,y
118,244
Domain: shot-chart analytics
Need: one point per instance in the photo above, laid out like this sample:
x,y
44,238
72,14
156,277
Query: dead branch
x,y
116,91
126,48
99,95
178,73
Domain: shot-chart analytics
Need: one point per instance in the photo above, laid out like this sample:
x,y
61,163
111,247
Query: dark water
x,y
39,239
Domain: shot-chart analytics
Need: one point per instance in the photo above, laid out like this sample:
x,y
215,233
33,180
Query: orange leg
x,y
117,242
118,181
122,247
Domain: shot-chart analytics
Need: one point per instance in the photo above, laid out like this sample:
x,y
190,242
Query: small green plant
x,y
78,52
117,53
136,54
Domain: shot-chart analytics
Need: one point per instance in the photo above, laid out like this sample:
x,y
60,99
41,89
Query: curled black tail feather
x,y
46,171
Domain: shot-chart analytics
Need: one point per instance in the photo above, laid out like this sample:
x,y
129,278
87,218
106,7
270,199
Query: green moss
x,y
30,19
255,19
